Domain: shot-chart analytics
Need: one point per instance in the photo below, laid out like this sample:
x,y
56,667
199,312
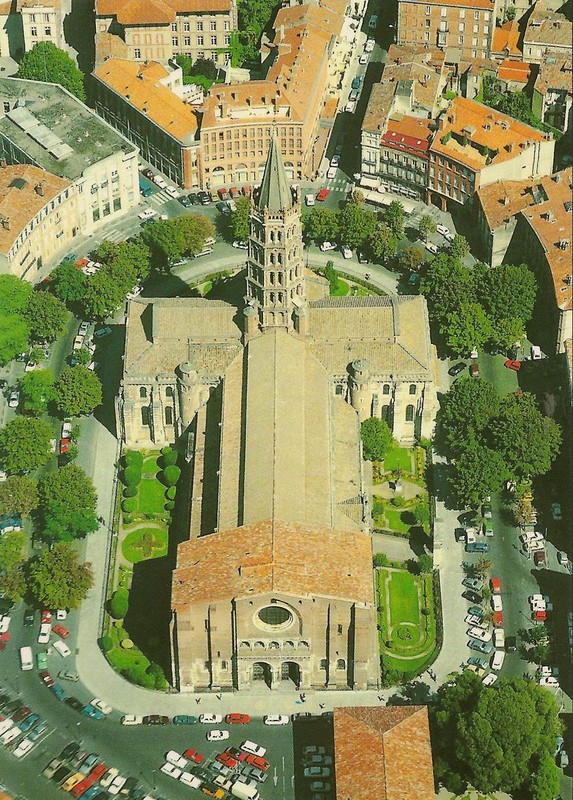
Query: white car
x,y
44,635
363,58
252,747
431,247
347,252
78,343
326,246
217,736
109,776
5,623
83,329
499,638
159,181
171,770
93,365
545,671
14,399
479,633
276,719
5,725
350,107
497,660
190,780
210,719
15,731
535,598
475,622
135,292
562,558
147,214
175,758
99,704
62,648
66,431
369,46
489,679
335,161
331,173
240,245
446,233
117,784
496,602
309,200
173,192
29,366
23,748
549,681
131,719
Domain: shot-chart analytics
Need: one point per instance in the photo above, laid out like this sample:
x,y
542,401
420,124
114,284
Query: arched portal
x,y
290,671
263,672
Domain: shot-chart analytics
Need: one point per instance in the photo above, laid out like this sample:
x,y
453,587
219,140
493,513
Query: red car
x,y
514,365
227,759
322,195
81,788
4,639
65,445
223,193
238,755
258,762
96,772
495,585
47,678
237,719
246,190
474,370
194,756
234,192
539,616
498,619
46,617
21,714
61,631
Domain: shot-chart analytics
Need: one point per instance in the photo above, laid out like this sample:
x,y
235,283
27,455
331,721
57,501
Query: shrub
x,y
129,504
171,474
130,491
133,458
132,475
170,456
381,560
127,520
171,492
106,644
169,505
119,603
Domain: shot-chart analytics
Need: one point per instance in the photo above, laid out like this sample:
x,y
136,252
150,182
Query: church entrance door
x,y
262,672
290,671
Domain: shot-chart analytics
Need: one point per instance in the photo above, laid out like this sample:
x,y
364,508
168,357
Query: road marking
x,y
275,777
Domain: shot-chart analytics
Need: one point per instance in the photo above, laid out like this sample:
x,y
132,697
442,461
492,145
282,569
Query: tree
x,y
240,219
331,276
321,225
166,241
356,224
465,328
446,285
459,248
394,216
57,579
376,438
78,391
14,334
14,294
18,495
412,258
466,411
483,567
528,440
508,291
132,257
119,604
46,62
544,783
196,228
104,296
68,283
426,227
422,515
46,316
68,504
171,474
11,549
478,472
205,67
37,388
383,242
13,584
25,444
426,562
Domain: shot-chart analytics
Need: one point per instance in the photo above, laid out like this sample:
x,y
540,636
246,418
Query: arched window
x,y
142,392
410,413
386,389
341,664
412,388
145,415
169,391
168,415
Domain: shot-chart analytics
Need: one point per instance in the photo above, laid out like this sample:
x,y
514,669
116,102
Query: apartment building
x,y
547,32
463,28
552,98
475,146
44,125
41,22
38,219
159,30
145,102
396,129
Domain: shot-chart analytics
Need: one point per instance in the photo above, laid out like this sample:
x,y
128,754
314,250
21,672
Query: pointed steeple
x,y
275,193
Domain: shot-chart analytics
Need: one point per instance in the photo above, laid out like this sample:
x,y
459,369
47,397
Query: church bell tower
x,y
275,267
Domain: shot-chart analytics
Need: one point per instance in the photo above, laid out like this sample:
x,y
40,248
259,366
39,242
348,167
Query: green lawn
x,y
404,598
395,521
151,497
145,543
398,457
122,659
491,368
341,290
150,465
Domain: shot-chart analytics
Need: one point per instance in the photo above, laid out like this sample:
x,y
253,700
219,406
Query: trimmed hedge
x,y
129,505
133,458
171,492
132,475
106,644
171,474
169,505
119,604
130,491
170,456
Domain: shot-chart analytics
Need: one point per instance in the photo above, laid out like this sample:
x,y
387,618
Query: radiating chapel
x,y
274,585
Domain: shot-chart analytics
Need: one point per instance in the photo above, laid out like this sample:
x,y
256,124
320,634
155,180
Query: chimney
x,y
281,33
39,189
557,178
452,118
6,223
509,147
505,200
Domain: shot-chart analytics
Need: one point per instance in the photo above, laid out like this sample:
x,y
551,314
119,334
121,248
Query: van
x,y
536,352
26,660
497,660
244,792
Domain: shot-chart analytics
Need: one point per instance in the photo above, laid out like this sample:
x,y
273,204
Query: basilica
x,y
274,584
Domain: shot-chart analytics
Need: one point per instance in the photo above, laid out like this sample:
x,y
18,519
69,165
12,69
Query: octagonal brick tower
x,y
275,268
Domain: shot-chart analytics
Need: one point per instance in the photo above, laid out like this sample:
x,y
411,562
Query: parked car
x,y
176,759
431,247
495,585
482,647
193,755
184,719
474,370
14,399
237,719
322,195
147,213
217,735
346,252
556,511
369,46
99,704
101,332
62,648
210,719
562,558
131,719
483,634
489,679
363,58
472,596
456,369
155,719
61,631
172,192
472,583
309,200
326,246
67,675
240,245
477,661
276,719
512,364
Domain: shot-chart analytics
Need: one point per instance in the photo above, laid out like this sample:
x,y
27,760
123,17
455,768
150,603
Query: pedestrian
x,y
219,697
321,705
380,698
197,700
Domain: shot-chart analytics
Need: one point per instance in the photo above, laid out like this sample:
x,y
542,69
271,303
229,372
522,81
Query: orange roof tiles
x,y
383,753
484,127
517,71
162,12
502,200
241,102
460,3
270,555
139,85
319,16
506,38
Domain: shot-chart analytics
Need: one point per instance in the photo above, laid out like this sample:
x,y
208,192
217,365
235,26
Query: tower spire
x,y
275,193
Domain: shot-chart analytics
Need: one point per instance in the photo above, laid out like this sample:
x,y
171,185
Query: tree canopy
x,y
14,334
14,294
68,283
18,495
240,219
11,549
394,217
356,225
25,444
376,438
67,504
321,225
46,316
196,228
46,62
78,391
57,579
383,242
37,389
502,733
166,240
